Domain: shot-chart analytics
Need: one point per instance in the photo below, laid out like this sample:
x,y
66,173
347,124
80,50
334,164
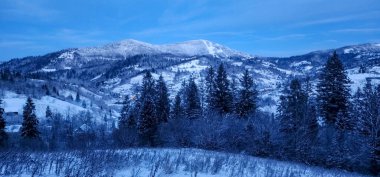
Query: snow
x,y
296,64
192,66
48,70
360,79
377,45
237,63
67,55
161,162
15,103
12,128
96,77
348,50
188,48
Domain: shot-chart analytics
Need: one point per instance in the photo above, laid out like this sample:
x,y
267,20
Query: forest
x,y
327,127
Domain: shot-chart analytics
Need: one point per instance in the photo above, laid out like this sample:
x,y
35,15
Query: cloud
x,y
357,30
37,10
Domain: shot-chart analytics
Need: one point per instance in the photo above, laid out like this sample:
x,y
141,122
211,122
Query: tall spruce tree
x,y
210,88
124,121
333,94
222,97
192,105
292,116
30,122
247,103
3,134
162,105
177,109
147,123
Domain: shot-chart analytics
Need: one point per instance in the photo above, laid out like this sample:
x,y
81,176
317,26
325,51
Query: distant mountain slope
x,y
115,69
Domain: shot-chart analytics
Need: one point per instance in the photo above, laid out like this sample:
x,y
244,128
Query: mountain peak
x,y
131,47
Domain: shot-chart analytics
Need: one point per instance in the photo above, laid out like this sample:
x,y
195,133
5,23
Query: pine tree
x,y
30,122
177,109
162,105
222,97
48,113
210,88
333,94
193,105
3,134
247,103
77,97
124,114
147,123
292,117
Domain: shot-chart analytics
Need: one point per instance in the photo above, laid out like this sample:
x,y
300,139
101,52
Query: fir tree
x,y
30,122
292,116
333,94
124,114
3,134
247,96
48,113
77,97
210,88
177,109
193,105
162,105
222,97
147,123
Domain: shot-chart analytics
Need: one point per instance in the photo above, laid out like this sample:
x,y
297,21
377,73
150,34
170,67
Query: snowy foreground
x,y
152,162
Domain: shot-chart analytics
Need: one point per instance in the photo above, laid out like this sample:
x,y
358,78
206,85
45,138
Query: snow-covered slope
x,y
116,69
132,47
154,162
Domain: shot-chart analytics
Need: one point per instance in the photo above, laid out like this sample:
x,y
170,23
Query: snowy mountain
x,y
132,47
102,75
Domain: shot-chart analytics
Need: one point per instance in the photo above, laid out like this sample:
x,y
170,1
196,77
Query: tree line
x,y
326,126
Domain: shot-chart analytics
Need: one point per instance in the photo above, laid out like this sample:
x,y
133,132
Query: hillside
x,y
102,75
155,162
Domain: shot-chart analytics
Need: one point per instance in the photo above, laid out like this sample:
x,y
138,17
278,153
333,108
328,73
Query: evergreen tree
x,y
3,134
124,114
177,109
222,97
162,105
210,88
292,117
77,97
333,94
247,96
30,122
48,113
147,123
193,105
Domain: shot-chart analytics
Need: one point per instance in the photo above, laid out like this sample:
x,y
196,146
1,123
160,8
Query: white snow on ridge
x,y
348,50
189,48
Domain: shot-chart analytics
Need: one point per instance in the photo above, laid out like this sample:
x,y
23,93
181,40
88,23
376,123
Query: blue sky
x,y
259,27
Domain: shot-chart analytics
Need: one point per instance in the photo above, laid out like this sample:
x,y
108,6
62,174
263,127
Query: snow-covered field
x,y
152,162
13,102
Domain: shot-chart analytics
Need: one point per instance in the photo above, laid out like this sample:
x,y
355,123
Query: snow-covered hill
x,y
132,47
153,162
104,74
